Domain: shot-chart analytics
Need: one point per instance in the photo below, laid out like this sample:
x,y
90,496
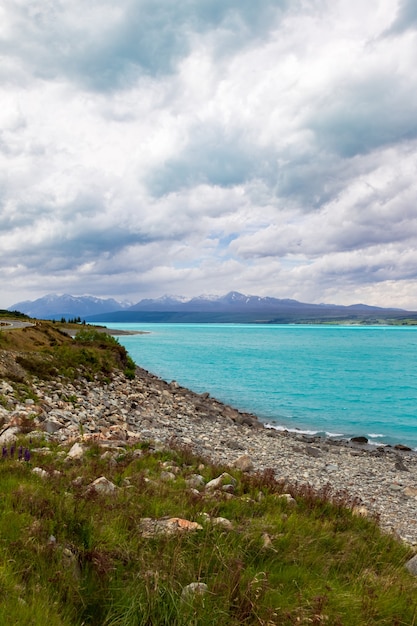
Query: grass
x,y
46,351
5,314
321,564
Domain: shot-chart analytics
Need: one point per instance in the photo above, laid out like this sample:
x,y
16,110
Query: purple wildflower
x,y
4,453
20,453
12,449
27,455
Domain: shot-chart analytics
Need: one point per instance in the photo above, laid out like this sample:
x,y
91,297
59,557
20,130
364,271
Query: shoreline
x,y
308,422
309,436
103,329
380,481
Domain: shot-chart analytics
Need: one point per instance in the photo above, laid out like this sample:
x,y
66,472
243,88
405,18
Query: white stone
x,y
193,589
221,481
40,472
288,497
223,522
360,511
76,452
9,435
103,485
331,467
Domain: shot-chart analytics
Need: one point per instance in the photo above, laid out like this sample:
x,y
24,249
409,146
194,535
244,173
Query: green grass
x,y
323,564
4,313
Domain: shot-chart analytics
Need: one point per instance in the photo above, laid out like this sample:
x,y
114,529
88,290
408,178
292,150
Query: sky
x,y
152,147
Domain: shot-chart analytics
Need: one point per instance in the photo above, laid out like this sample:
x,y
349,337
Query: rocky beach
x,y
379,481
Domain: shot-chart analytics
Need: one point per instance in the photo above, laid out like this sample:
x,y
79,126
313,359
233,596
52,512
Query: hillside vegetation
x,y
47,349
155,542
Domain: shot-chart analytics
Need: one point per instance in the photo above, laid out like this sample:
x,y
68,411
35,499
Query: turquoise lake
x,y
341,381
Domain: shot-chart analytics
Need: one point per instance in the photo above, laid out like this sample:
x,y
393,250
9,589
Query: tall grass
x,y
72,556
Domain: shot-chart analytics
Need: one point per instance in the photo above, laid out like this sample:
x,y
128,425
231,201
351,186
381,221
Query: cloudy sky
x,y
154,147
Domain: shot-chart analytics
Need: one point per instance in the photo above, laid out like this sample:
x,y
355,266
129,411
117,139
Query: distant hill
x,y
234,307
54,306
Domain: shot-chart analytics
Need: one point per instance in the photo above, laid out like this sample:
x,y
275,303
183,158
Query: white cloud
x,y
147,147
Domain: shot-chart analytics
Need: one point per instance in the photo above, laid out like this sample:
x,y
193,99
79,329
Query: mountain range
x,y
53,306
232,307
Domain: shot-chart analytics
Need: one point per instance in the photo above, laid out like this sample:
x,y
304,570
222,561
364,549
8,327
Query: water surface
x,y
338,380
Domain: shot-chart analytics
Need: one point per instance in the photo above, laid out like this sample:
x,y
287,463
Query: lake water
x,y
341,381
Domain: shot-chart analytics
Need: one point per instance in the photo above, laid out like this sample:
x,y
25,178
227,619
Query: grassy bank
x,y
71,555
47,350
261,552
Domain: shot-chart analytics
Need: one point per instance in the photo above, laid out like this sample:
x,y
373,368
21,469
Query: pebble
x,y
381,481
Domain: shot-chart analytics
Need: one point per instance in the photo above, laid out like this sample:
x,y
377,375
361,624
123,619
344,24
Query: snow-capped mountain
x,y
231,307
53,306
159,304
232,301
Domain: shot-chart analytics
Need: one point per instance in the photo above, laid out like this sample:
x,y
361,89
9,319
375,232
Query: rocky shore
x,y
381,481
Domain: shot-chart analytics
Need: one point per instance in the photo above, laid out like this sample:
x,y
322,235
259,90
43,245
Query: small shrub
x,y
42,366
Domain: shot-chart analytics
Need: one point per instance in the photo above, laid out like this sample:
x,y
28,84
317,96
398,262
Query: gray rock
x,y
244,463
52,426
5,387
273,433
102,485
194,481
399,465
314,452
411,565
362,440
166,526
395,487
331,467
167,476
222,522
235,445
288,499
